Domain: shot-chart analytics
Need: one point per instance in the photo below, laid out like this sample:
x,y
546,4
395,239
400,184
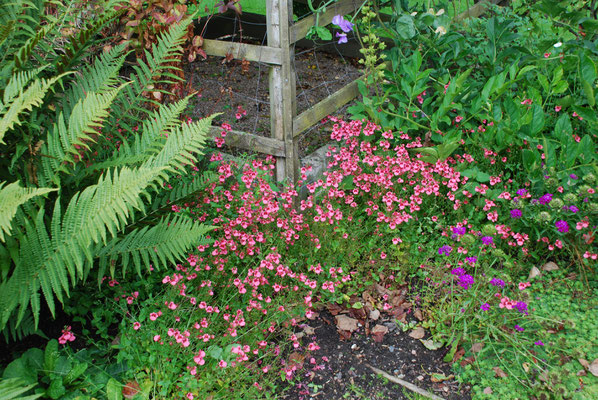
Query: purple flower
x,y
547,198
516,213
562,226
518,328
342,37
487,240
497,282
459,230
521,306
539,343
342,23
446,250
573,209
471,260
521,192
465,281
458,271
485,307
573,176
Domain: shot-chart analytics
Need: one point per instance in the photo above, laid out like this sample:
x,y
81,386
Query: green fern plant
x,y
83,186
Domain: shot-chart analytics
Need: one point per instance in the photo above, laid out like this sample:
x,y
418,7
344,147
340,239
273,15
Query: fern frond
x,y
13,388
81,41
32,97
167,241
11,197
99,77
148,73
45,262
5,31
152,137
14,333
24,53
66,139
18,81
183,145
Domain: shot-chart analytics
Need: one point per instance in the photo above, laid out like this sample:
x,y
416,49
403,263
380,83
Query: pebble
x,y
391,348
420,378
338,376
353,346
391,326
414,352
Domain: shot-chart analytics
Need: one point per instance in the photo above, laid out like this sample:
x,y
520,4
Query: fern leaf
x,y
147,74
18,81
152,137
32,97
99,77
22,55
183,145
180,191
167,241
44,263
65,143
11,197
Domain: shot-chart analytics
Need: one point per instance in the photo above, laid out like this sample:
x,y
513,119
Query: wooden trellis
x,y
286,125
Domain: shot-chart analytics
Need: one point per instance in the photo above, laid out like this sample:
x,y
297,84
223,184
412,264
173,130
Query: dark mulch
x,y
224,86
346,376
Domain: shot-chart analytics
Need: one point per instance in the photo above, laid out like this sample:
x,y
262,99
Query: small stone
x,y
391,349
420,378
339,376
414,352
534,272
391,326
353,346
375,314
550,266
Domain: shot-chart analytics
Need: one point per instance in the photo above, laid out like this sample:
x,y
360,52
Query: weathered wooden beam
x,y
330,104
476,10
282,87
251,142
243,51
342,7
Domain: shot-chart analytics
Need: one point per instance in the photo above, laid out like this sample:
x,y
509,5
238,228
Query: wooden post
x,y
279,18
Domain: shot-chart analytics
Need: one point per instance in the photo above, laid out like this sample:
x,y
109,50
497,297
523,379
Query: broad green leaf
x,y
538,119
114,390
405,27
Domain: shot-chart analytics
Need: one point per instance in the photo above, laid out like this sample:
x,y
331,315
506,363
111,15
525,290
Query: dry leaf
x,y
459,354
550,266
418,333
334,308
534,272
131,389
344,323
584,363
488,390
440,377
374,315
525,367
296,359
593,368
345,335
467,361
477,347
308,330
418,314
378,333
499,372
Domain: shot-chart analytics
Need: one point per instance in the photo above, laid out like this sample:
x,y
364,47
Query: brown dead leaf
x,y
593,368
378,333
296,359
374,315
131,389
499,372
440,377
477,347
459,354
334,308
381,290
488,390
550,266
358,313
308,330
581,372
345,335
418,314
467,361
534,272
418,333
525,367
584,363
344,323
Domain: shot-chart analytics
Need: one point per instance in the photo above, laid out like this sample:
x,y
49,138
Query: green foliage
x,y
96,188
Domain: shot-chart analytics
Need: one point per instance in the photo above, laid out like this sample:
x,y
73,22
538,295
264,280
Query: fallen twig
x,y
408,385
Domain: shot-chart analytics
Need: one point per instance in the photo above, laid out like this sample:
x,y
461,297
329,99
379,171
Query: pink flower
x,y
523,285
156,338
546,55
222,364
67,336
153,316
557,108
136,325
